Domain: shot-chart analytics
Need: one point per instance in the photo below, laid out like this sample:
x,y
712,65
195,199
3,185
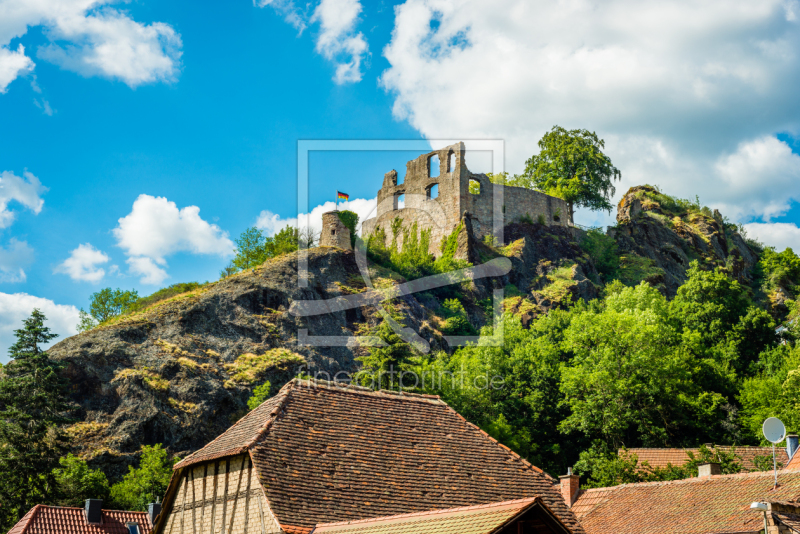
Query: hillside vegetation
x,y
658,332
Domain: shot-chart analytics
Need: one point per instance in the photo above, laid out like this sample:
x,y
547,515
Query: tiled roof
x,y
483,519
43,519
328,453
693,506
677,457
794,463
238,438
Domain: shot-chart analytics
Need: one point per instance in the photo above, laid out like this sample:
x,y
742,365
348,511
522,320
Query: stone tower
x,y
334,232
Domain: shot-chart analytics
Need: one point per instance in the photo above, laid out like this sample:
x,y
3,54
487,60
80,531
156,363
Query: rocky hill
x,y
663,235
180,372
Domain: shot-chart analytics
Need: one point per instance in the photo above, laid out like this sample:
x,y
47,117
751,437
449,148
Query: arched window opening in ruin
x,y
475,187
401,201
451,162
333,232
433,166
433,191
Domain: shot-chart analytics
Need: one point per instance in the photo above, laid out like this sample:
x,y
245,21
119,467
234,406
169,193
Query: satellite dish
x,y
774,430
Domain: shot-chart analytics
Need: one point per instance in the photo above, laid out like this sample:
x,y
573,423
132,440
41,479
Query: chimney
x,y
570,484
791,445
93,511
153,509
708,469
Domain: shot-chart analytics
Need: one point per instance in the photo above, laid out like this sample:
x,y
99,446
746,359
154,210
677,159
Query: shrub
x,y
350,220
260,394
603,251
456,322
144,484
249,368
76,482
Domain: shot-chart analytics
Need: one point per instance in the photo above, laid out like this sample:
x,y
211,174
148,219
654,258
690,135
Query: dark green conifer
x,y
33,403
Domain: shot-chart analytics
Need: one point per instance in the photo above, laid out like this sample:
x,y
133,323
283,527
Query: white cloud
x,y
778,235
24,190
148,269
90,38
13,63
765,174
287,9
13,258
16,307
272,223
676,88
337,40
82,264
156,228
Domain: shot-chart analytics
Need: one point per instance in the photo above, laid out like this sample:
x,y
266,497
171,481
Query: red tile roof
x,y
693,506
483,519
327,453
42,519
677,457
794,463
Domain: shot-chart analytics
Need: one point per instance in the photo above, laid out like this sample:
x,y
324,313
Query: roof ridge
x,y
513,454
33,513
189,460
527,500
332,385
751,474
273,415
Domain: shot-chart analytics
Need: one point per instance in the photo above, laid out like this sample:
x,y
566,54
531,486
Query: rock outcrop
x,y
671,235
180,372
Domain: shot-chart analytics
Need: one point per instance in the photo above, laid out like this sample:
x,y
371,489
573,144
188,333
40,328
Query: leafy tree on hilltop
x,y
146,483
254,248
33,403
108,303
251,249
571,165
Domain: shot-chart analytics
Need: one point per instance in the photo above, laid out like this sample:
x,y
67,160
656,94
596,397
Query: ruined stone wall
x,y
220,497
515,203
442,213
334,232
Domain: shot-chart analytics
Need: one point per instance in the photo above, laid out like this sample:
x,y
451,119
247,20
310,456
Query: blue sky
x,y
159,131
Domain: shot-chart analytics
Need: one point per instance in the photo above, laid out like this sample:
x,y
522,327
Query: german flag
x,y
342,196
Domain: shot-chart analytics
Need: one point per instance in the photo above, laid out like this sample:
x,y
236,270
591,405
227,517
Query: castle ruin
x,y
436,196
334,232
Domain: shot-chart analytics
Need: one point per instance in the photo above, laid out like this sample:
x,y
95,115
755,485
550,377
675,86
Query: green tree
x,y
381,367
628,382
571,165
251,249
108,303
76,482
284,242
260,394
511,391
143,485
33,403
604,252
775,392
86,322
718,319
